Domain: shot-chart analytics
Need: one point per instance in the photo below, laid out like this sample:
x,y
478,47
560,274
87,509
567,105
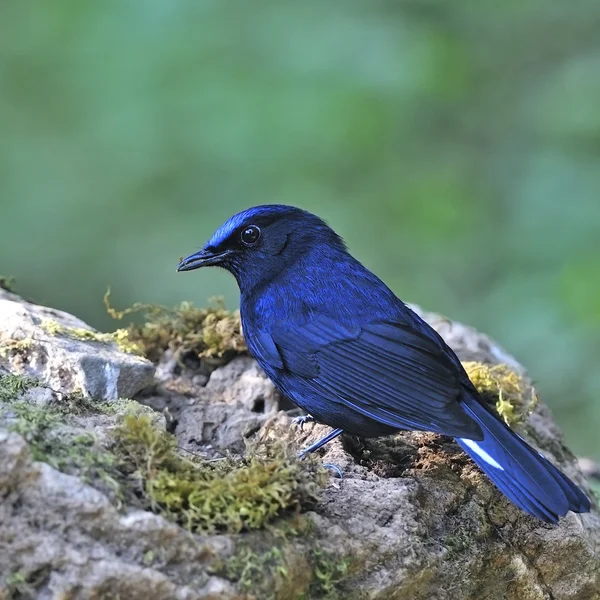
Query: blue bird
x,y
336,340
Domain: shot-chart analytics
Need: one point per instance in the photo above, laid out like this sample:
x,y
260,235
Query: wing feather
x,y
387,371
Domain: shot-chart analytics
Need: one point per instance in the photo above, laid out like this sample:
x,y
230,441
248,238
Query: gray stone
x,y
237,399
97,368
241,381
219,426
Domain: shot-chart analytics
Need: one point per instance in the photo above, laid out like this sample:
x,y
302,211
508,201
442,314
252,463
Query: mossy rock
x,y
208,333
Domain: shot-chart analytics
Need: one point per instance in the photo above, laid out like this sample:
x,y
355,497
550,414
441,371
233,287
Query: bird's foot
x,y
301,420
330,436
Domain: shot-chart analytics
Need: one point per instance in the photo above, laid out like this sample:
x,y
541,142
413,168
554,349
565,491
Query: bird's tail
x,y
520,472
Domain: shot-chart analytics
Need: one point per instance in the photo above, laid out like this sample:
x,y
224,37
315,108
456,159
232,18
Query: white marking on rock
x,y
111,373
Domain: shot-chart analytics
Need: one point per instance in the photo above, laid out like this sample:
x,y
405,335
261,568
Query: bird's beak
x,y
203,258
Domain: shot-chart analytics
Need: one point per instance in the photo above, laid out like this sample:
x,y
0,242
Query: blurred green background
x,y
455,145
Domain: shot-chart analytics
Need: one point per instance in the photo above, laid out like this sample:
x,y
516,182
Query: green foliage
x,y
206,332
207,496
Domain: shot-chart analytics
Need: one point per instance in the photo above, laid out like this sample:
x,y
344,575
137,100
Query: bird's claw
x,y
330,466
301,420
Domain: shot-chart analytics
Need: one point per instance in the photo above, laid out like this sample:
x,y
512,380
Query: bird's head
x,y
258,243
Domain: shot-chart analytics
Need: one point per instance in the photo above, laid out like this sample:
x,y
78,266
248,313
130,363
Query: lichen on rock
x,y
120,337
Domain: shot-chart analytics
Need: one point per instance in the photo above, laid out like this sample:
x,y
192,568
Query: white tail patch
x,y
482,453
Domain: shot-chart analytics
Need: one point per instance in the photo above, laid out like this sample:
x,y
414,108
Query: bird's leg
x,y
330,436
307,419
302,419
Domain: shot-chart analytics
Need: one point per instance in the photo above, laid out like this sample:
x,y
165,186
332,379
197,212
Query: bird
x,y
336,340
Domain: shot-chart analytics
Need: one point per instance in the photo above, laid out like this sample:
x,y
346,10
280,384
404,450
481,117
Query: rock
x,y
412,519
58,349
242,382
589,468
65,535
237,399
224,410
219,426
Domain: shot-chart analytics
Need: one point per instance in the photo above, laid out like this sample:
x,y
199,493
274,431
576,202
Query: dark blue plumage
x,y
336,340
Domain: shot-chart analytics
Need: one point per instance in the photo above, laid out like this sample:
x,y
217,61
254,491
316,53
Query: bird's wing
x,y
388,371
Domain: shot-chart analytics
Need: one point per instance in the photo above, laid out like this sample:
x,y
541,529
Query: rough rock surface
x,y
45,343
59,531
412,519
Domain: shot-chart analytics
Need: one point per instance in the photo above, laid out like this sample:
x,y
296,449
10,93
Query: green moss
x,y
288,573
140,464
329,573
206,332
78,404
30,421
17,586
55,437
513,398
259,574
296,525
21,585
13,386
468,529
120,337
9,347
213,496
67,449
457,542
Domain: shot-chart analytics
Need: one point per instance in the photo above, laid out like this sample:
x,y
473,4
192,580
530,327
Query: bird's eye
x,y
250,235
